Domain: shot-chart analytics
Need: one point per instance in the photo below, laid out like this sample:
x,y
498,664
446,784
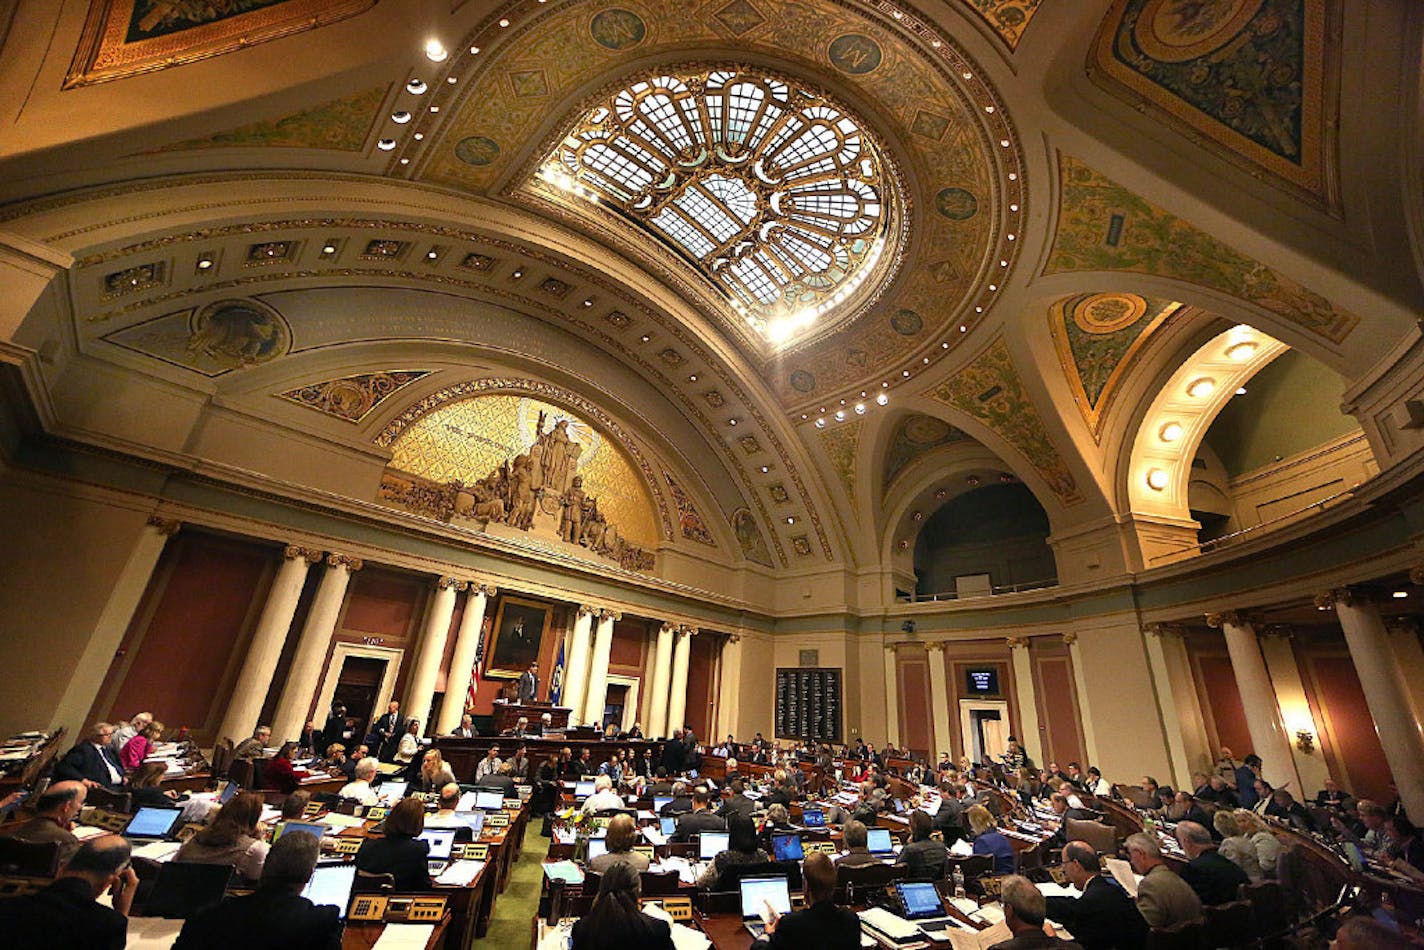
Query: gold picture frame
x,y
512,644
108,48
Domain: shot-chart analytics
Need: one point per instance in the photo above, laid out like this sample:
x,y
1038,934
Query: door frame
x,y
630,701
966,720
339,654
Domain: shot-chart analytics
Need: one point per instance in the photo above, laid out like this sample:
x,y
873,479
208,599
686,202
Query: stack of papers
x,y
1050,889
404,937
563,871
683,937
1122,873
460,873
158,850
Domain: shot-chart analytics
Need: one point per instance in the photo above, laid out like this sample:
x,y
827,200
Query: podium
x,y
506,714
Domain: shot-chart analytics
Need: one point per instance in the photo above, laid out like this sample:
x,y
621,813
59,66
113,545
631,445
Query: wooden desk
x,y
463,755
507,714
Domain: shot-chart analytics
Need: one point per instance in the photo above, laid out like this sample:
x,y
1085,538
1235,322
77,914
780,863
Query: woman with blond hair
x,y
434,773
989,840
140,746
1267,845
1236,846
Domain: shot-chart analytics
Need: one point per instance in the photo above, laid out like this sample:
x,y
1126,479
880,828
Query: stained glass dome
x,y
775,193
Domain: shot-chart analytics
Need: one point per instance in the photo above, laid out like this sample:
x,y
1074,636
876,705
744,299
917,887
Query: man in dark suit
x,y
698,820
1215,878
673,753
737,802
681,802
387,731
276,914
822,924
1104,918
67,914
529,685
1024,915
92,761
949,820
1059,803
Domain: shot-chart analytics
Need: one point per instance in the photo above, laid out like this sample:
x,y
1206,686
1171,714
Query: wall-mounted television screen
x,y
982,681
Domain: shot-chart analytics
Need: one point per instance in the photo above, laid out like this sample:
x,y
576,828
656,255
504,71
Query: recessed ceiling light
x,y
434,109
646,338
1156,479
1401,594
474,51
451,80
821,423
1241,351
204,263
882,399
731,422
790,520
418,136
1201,388
415,87
765,469
431,254
588,302
693,379
435,51
1170,432
329,249
386,145
840,415
503,21
401,117
517,274
860,408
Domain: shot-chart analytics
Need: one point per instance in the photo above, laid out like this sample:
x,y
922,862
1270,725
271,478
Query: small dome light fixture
x,y
400,117
1201,388
416,87
840,415
1241,352
881,399
1156,479
821,422
860,408
435,51
1170,432
386,145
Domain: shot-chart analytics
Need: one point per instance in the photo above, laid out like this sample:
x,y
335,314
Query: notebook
x,y
596,847
659,801
583,789
712,843
757,894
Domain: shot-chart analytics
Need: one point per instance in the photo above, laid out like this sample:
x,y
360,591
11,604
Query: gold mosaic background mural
x,y
464,440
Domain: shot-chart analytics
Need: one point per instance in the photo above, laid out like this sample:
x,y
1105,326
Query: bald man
x,y
55,812
67,913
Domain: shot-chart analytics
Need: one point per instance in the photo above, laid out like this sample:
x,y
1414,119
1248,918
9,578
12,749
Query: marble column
x,y
1404,637
677,692
662,682
304,676
1258,698
597,697
265,650
123,600
420,690
729,688
462,662
892,695
1029,736
576,664
1161,667
1385,692
1296,717
939,702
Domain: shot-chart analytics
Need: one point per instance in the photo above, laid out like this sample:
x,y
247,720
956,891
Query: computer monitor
x,y
659,801
668,826
877,840
441,841
596,847
757,892
392,791
813,818
330,885
229,790
184,890
310,827
474,820
583,789
153,823
920,898
899,806
712,843
489,799
787,847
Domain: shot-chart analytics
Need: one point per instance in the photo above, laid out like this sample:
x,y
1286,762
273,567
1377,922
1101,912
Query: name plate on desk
x,y
108,820
398,910
496,820
824,847
513,804
474,851
645,850
376,812
678,908
312,809
346,845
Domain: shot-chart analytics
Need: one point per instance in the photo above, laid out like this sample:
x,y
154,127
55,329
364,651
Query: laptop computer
x,y
878,841
583,789
597,847
184,890
712,843
229,790
659,801
489,799
330,885
153,823
668,826
473,820
310,827
920,903
813,818
787,848
392,791
757,894
442,843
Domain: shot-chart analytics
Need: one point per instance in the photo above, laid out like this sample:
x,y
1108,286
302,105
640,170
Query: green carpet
x,y
513,918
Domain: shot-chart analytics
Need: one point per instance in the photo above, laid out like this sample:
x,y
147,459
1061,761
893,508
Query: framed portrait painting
x,y
519,628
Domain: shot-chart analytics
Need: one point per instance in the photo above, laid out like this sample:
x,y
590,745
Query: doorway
x,y
357,687
984,726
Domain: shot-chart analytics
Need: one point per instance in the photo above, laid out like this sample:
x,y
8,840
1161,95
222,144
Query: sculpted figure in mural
x,y
594,528
571,524
488,505
521,490
559,458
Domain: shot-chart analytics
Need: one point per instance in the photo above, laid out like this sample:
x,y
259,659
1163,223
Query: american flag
x,y
475,672
556,682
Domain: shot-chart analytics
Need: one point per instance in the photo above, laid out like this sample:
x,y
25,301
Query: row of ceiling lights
x,y
1200,388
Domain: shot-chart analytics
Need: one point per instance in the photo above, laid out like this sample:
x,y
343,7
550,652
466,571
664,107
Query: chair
x,y
664,884
222,758
1188,935
29,858
1268,907
1101,838
368,883
1229,925
1135,795
972,867
241,772
859,882
101,797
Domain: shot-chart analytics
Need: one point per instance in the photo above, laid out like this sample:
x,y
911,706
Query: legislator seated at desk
x,y
275,915
989,840
232,838
146,790
359,788
254,745
279,774
55,812
1163,898
698,820
741,850
622,832
616,922
923,857
1024,915
66,913
92,760
400,853
854,836
821,925
1104,917
1216,879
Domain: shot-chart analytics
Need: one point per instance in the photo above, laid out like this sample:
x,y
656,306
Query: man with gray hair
x,y
276,914
67,913
1104,918
1024,915
1216,878
128,730
1163,898
359,788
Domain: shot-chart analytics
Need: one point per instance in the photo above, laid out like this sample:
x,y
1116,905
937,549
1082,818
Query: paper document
x,y
563,871
337,821
1050,889
979,939
460,873
152,933
1122,873
961,849
404,937
158,850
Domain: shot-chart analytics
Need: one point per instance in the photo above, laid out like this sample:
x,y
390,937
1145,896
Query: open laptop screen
x,y
920,898
583,789
489,800
759,891
659,801
712,843
331,885
596,847
877,840
441,841
813,818
787,847
152,823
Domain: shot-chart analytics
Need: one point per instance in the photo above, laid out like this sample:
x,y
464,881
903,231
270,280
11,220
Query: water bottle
x,y
958,881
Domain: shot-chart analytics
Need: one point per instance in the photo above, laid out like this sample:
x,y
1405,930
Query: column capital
x,y
1280,631
1017,643
352,564
687,630
450,583
1163,630
1070,638
1221,618
935,646
482,588
587,610
608,613
734,638
1343,597
167,527
669,626
293,551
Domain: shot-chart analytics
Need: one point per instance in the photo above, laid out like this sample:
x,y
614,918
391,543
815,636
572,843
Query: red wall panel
x,y
1223,702
701,666
205,597
1354,744
626,655
1058,711
916,728
383,604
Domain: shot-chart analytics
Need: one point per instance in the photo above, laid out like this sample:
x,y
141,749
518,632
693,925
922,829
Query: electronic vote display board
x,y
808,704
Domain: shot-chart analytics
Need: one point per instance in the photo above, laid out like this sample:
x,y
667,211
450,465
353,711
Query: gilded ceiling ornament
x,y
688,517
840,443
339,125
352,398
212,340
1009,18
914,436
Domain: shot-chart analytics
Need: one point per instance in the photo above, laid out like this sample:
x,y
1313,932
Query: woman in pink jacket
x,y
140,747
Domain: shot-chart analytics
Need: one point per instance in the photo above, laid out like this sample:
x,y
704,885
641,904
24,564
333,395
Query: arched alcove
x,y
996,530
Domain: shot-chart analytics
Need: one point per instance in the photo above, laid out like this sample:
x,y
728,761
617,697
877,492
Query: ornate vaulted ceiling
x,y
292,210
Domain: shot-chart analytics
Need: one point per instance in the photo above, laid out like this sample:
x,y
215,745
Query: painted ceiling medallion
x,y
775,193
351,398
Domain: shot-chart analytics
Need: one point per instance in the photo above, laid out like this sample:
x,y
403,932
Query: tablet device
x,y
920,899
668,826
787,847
877,840
330,885
441,840
711,843
229,790
152,823
757,892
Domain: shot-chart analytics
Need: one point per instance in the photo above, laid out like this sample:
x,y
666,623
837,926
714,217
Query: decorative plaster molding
x,y
293,551
352,564
449,583
167,527
1070,638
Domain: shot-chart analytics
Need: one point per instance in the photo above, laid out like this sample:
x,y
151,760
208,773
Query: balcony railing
x,y
996,589
1226,540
